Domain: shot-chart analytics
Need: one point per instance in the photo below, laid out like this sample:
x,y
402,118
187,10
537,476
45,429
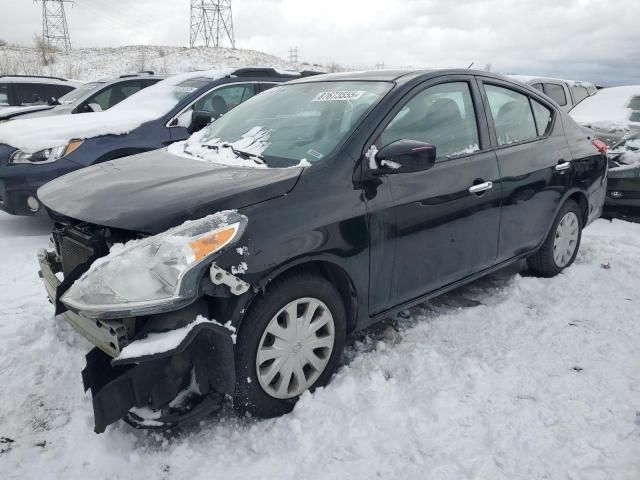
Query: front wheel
x,y
561,246
290,341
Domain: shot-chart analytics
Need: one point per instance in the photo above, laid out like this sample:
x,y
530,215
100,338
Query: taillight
x,y
601,146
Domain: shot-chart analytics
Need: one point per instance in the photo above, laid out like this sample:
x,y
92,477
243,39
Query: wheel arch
x,y
330,271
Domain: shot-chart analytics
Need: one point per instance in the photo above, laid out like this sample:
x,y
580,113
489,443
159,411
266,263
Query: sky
x,y
576,39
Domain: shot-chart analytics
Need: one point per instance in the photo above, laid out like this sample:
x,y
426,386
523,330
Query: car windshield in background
x,y
79,92
297,122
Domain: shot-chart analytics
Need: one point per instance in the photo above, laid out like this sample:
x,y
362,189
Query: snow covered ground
x,y
96,63
512,377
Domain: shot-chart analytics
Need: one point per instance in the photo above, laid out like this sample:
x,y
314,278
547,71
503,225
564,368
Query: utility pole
x,y
55,32
211,23
380,66
293,56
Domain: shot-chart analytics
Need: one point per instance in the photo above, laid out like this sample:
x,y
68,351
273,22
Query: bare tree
x,y
3,43
44,50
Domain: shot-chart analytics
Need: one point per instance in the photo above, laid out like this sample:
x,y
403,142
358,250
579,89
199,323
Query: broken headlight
x,y
156,273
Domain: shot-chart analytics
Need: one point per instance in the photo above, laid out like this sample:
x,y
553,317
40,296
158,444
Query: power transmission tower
x,y
211,22
293,55
55,32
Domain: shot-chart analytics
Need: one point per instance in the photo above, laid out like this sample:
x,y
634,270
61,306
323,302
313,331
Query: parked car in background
x,y
623,189
314,209
23,92
95,96
614,113
35,151
566,93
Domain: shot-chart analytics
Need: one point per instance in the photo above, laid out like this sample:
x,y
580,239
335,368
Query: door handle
x,y
562,166
481,187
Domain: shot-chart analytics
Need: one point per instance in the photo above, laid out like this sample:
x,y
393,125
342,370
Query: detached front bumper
x,y
202,364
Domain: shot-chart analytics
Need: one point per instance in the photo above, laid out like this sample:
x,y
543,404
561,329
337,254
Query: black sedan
x,y
236,262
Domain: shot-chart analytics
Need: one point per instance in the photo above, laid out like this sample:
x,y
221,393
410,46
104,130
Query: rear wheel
x,y
290,341
561,246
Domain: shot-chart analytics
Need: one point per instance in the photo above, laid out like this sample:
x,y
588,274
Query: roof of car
x,y
133,76
37,79
395,75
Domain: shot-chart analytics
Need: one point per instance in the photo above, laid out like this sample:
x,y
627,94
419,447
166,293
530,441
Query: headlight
x,y
159,271
47,155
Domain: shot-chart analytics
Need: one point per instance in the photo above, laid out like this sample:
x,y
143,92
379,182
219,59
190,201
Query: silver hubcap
x,y
295,348
566,241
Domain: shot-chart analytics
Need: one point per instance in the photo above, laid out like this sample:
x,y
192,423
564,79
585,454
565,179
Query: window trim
x,y
476,101
539,98
217,87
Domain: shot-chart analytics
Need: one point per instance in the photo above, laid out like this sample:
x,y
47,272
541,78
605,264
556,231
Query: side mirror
x,y
405,156
199,120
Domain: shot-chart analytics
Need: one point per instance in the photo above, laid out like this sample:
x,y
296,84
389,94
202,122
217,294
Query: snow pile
x,y
511,377
34,134
627,156
608,109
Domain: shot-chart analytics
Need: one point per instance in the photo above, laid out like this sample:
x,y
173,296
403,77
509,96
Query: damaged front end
x,y
157,361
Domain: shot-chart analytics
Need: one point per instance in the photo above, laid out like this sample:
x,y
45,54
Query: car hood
x,y
157,190
11,112
50,112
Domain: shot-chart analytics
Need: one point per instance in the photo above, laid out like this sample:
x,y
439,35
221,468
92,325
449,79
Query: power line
x,y
55,31
211,23
293,56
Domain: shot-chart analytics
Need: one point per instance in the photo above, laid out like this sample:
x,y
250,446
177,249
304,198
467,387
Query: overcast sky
x,y
581,39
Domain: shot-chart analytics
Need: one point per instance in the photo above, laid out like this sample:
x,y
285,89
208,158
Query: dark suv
x,y
24,92
35,151
237,262
97,96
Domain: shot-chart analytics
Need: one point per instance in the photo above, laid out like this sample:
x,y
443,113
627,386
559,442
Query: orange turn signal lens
x,y
72,147
212,242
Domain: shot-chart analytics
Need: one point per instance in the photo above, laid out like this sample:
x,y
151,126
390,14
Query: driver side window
x,y
221,100
442,115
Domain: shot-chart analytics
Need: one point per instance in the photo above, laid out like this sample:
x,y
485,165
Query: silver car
x,y
566,93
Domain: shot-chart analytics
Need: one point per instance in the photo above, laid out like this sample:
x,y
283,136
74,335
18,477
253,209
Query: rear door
x,y
445,219
534,160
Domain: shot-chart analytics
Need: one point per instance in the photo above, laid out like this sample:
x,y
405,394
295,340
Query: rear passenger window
x,y
512,116
556,92
538,86
542,116
579,93
442,115
32,93
634,105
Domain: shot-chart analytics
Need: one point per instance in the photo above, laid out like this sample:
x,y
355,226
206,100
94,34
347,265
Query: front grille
x,y
73,253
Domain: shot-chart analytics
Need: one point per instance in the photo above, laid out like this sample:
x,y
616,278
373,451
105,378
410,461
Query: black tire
x,y
542,263
250,397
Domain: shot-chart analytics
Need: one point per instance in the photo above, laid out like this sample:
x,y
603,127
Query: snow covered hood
x,y
609,108
32,135
154,191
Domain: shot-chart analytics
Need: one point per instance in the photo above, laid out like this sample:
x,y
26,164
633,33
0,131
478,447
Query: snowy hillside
x,y
512,377
95,63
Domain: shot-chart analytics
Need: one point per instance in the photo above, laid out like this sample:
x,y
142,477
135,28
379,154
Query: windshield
x,y
79,92
290,124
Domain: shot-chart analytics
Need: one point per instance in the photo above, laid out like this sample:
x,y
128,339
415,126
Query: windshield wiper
x,y
259,159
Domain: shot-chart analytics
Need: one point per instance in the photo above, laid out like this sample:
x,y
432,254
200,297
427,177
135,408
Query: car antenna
x,y
470,65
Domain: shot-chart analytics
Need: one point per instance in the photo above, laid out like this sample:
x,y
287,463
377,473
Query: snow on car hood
x,y
608,109
32,135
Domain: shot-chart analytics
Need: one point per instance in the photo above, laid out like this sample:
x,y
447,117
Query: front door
x,y
445,219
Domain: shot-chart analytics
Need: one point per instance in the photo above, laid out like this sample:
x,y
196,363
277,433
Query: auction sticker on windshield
x,y
343,95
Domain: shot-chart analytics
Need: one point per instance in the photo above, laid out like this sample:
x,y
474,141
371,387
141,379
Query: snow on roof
x,y
610,106
34,134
